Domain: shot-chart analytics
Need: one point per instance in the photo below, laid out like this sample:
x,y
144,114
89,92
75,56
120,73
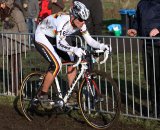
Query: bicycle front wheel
x,y
99,100
28,91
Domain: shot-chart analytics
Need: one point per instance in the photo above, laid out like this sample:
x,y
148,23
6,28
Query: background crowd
x,y
24,15
28,13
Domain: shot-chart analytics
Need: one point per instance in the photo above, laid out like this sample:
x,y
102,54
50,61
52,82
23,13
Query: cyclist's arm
x,y
62,43
93,43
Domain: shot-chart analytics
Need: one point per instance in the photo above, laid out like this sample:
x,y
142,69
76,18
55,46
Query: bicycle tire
x,y
28,90
100,107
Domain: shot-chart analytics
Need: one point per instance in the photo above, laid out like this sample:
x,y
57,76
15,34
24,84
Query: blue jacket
x,y
147,17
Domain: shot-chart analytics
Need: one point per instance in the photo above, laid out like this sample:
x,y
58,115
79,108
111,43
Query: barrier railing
x,y
18,58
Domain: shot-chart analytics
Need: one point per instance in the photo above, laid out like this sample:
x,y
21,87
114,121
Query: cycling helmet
x,y
80,11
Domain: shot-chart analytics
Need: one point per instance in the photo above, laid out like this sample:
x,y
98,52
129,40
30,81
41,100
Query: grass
x,y
129,84
33,62
7,100
147,124
111,7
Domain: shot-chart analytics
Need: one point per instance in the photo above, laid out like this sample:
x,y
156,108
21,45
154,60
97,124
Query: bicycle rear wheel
x,y
99,100
28,91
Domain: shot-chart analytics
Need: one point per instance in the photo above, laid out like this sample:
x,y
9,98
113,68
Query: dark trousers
x,y
153,81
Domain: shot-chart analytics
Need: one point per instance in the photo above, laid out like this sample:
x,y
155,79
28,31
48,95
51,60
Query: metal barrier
x,y
13,48
126,66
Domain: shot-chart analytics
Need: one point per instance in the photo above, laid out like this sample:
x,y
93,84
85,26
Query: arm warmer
x,y
62,43
93,43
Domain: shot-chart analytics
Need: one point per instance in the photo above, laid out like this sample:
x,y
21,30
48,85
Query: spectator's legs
x,y
157,75
34,25
153,76
29,25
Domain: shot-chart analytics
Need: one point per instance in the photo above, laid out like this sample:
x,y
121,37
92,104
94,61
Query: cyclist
x,y
50,41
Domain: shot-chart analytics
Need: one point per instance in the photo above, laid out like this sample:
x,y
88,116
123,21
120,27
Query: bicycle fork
x,y
93,93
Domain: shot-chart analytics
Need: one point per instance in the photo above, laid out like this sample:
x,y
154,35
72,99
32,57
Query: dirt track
x,y
11,120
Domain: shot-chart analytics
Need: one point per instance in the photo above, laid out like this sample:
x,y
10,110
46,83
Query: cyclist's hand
x,y
105,47
132,32
154,32
78,52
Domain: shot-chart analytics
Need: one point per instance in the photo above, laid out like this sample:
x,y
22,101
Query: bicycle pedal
x,y
35,102
59,103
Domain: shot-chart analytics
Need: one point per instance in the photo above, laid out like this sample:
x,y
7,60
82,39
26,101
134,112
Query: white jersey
x,y
59,26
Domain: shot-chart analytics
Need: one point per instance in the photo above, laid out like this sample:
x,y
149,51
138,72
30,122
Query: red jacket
x,y
44,11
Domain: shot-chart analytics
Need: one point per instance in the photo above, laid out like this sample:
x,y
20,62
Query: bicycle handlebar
x,y
94,52
106,53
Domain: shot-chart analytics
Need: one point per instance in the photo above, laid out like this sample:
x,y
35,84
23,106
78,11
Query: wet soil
x,y
10,119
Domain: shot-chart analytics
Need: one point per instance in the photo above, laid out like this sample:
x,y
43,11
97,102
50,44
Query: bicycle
x,y
98,94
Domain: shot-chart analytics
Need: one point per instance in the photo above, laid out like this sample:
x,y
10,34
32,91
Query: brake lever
x,y
106,53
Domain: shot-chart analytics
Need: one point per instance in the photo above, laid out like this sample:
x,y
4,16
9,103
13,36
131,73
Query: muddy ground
x,y
11,120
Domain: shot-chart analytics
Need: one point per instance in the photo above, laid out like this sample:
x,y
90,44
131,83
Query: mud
x,y
10,119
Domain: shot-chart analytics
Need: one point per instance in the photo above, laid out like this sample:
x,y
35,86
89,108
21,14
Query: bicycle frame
x,y
84,67
93,97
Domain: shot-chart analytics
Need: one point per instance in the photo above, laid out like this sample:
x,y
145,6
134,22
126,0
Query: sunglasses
x,y
81,20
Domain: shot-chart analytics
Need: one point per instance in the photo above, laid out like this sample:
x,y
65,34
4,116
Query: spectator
x,y
12,46
44,11
94,23
147,24
56,6
3,11
31,11
18,3
12,15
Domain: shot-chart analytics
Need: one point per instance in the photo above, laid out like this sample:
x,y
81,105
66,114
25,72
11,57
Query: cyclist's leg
x,y
48,52
47,82
71,76
72,72
66,56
